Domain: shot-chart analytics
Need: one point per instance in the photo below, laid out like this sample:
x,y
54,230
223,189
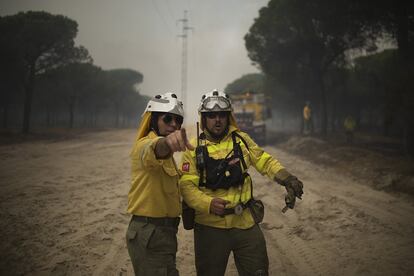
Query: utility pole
x,y
184,58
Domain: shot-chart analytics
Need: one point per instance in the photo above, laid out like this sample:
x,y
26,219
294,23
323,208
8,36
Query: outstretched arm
x,y
176,141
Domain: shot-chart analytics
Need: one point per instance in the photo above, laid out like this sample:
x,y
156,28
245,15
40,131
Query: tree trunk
x,y
28,98
47,116
5,115
324,111
94,118
71,110
333,116
116,115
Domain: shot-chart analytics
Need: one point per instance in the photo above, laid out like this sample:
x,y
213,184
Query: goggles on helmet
x,y
210,103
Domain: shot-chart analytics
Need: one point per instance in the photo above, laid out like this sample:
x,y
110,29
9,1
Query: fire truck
x,y
251,112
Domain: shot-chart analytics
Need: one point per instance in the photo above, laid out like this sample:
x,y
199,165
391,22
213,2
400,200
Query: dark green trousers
x,y
152,249
213,246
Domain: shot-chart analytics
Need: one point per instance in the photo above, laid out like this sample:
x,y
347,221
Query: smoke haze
x,y
144,35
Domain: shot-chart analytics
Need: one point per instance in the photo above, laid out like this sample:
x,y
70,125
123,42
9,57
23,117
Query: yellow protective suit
x,y
154,188
200,198
349,124
307,112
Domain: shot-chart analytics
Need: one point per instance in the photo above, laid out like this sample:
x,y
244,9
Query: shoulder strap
x,y
234,133
237,149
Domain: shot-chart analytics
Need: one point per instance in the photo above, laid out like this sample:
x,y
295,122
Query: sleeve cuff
x,y
281,176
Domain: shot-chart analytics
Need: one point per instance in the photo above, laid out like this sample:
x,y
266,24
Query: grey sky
x,y
142,35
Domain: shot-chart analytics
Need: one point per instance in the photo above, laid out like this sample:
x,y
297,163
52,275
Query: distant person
x,y
307,123
154,198
216,183
349,125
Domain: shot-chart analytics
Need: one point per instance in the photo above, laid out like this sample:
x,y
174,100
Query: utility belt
x,y
171,222
236,210
256,208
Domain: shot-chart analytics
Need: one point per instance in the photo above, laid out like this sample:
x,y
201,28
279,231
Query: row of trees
x,y
87,96
307,51
42,70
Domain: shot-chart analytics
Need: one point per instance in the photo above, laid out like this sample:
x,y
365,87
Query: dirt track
x,y
63,213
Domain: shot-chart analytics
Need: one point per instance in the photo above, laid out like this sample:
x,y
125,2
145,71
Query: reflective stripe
x,y
219,150
261,163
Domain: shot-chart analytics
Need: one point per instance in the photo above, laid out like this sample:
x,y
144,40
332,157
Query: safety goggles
x,y
213,115
167,118
211,102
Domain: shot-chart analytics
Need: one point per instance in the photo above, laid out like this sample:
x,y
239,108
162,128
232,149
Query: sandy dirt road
x,y
62,212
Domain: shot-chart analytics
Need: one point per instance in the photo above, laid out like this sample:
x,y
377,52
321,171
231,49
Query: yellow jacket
x,y
154,189
307,112
349,123
200,198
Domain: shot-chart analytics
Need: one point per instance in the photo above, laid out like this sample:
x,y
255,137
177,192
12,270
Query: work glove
x,y
294,188
293,185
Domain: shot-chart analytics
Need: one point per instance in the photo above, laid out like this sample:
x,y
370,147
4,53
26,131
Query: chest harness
x,y
224,173
230,171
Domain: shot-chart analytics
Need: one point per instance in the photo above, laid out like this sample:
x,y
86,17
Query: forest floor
x,y
63,198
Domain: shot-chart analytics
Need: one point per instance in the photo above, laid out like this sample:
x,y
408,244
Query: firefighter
x,y
349,126
307,119
215,183
154,198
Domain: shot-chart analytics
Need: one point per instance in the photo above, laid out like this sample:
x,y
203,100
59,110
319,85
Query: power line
x,y
170,10
154,2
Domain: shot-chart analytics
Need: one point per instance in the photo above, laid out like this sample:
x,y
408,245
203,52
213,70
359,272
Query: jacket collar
x,y
152,134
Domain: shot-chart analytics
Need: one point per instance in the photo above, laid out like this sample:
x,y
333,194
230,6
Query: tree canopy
x,y
87,90
309,48
42,67
296,42
39,41
250,82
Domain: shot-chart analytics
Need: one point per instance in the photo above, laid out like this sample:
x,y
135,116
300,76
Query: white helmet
x,y
167,103
215,101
